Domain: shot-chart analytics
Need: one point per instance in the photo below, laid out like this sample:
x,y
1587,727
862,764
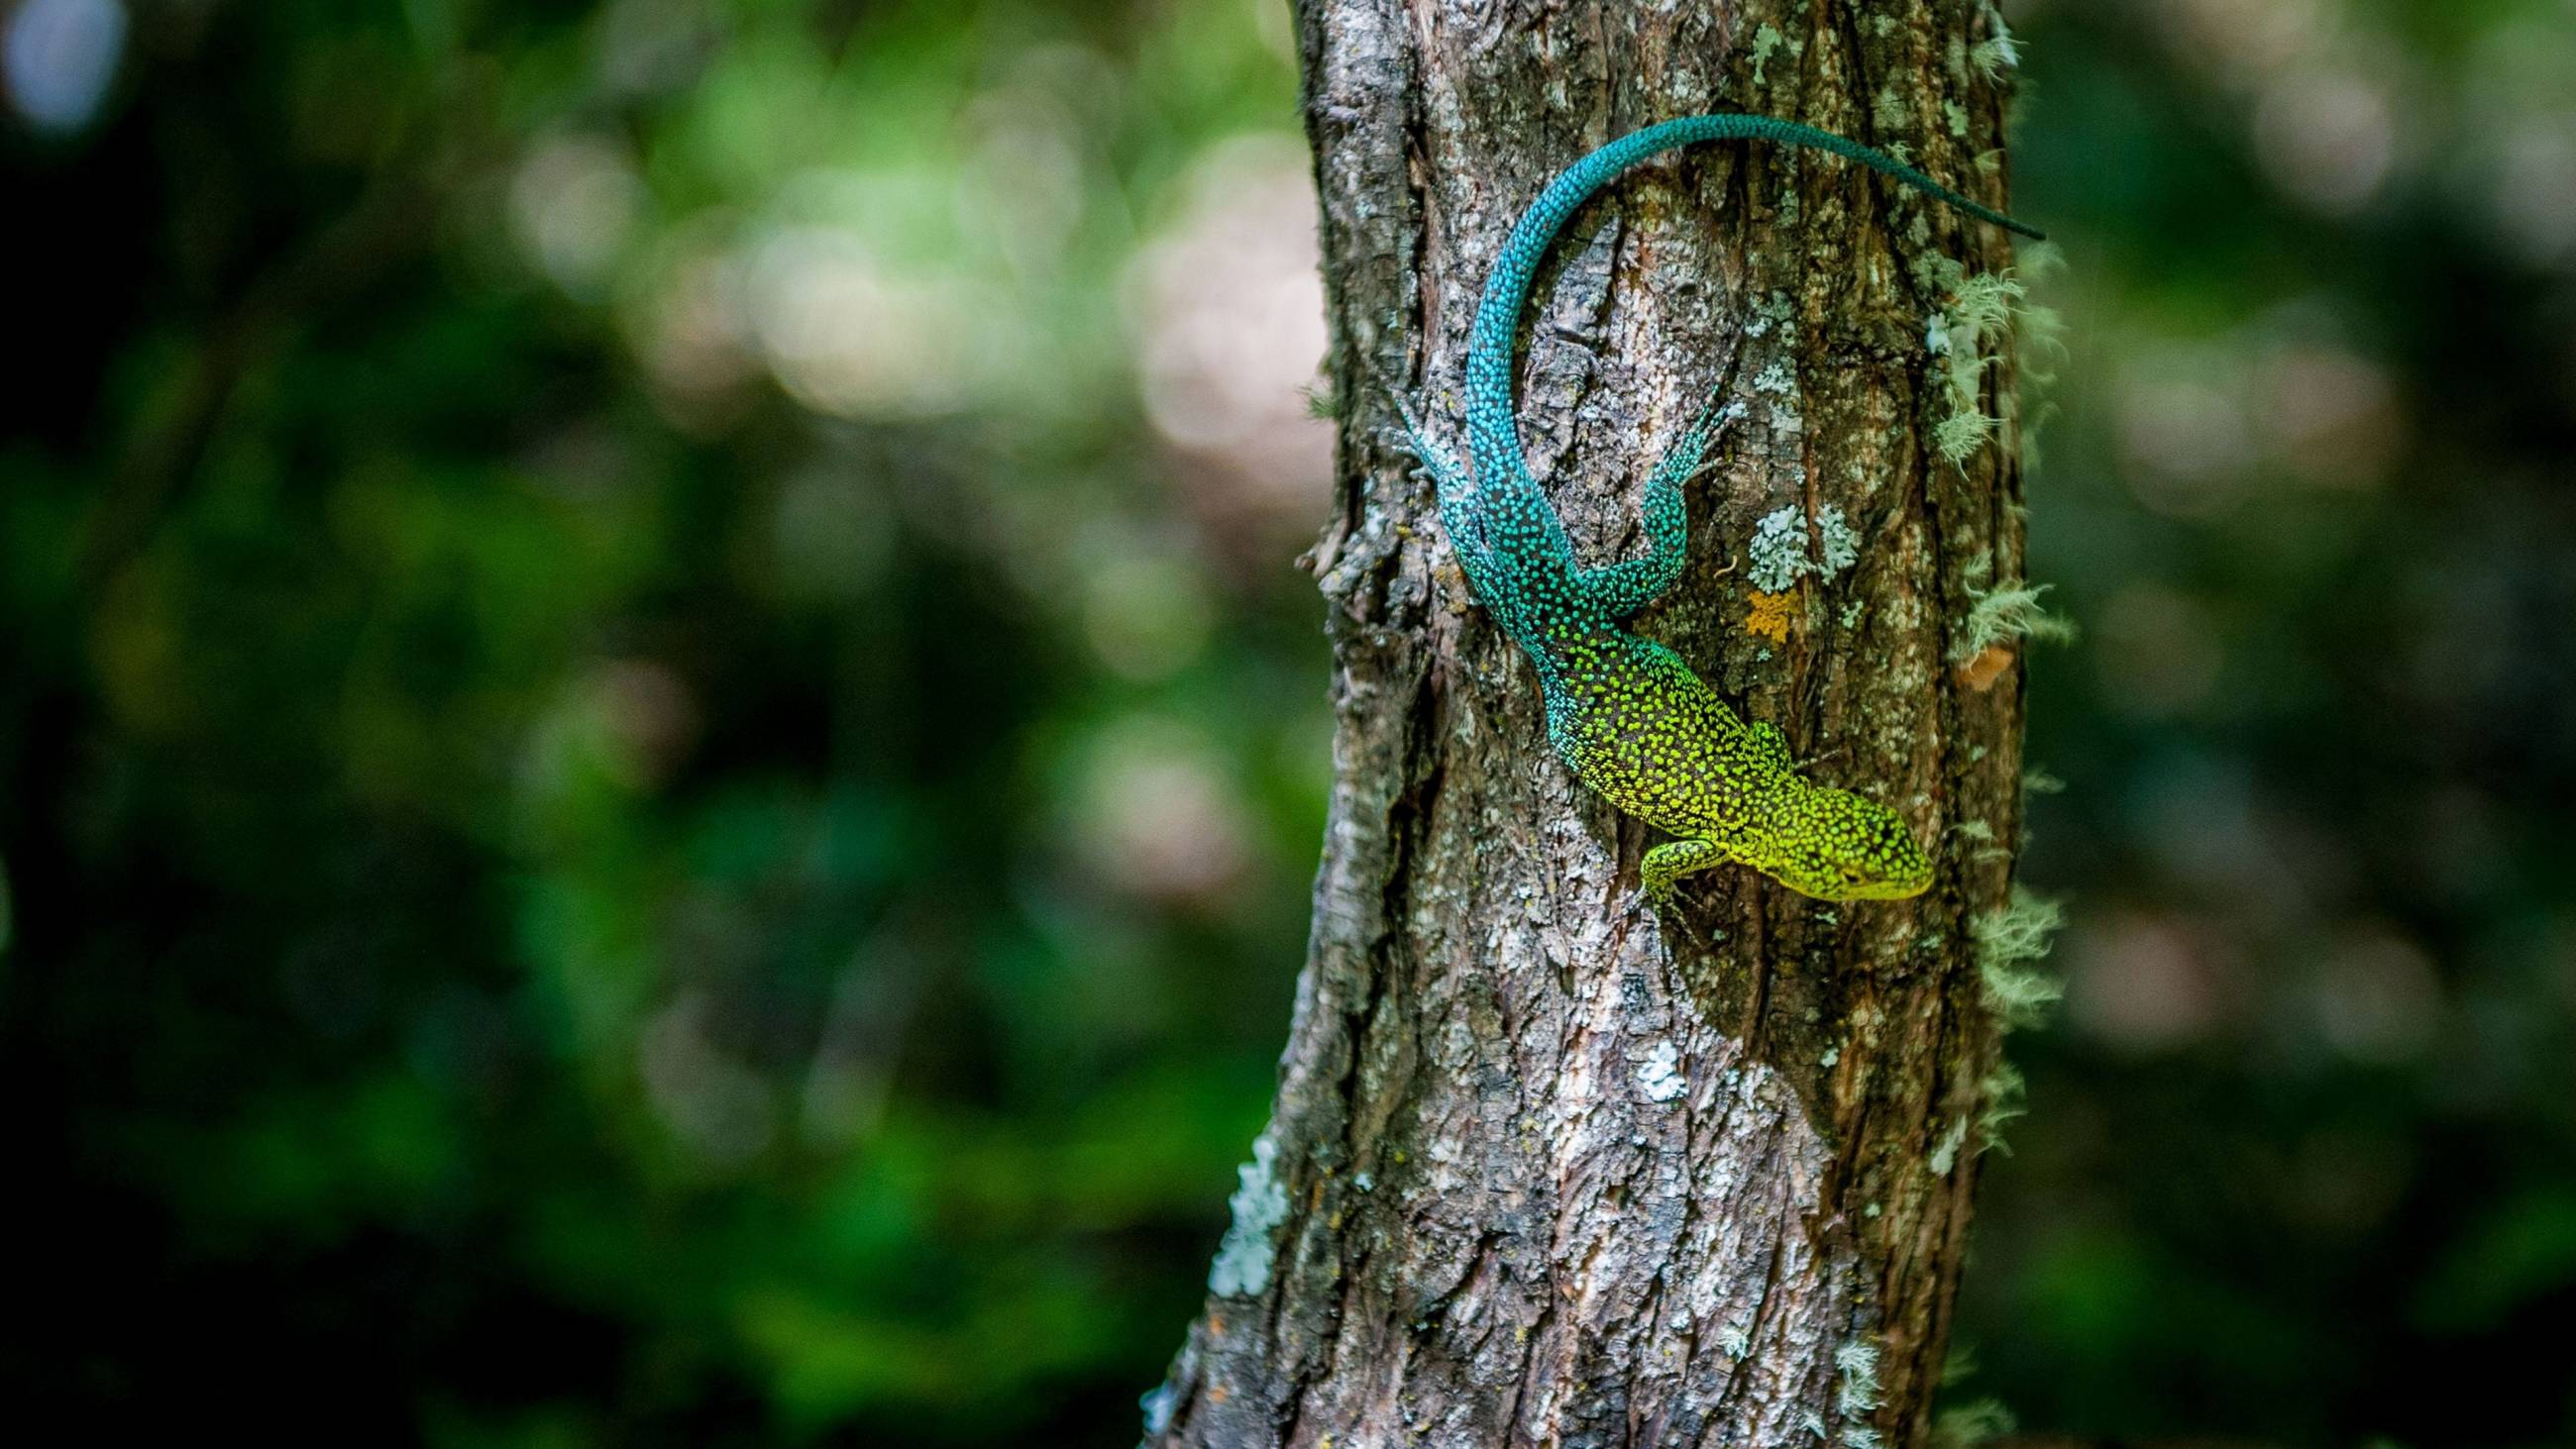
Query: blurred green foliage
x,y
661,747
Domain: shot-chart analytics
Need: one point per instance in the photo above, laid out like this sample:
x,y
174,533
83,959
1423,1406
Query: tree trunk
x,y
1548,1167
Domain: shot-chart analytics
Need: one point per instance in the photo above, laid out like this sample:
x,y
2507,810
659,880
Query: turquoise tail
x,y
1507,537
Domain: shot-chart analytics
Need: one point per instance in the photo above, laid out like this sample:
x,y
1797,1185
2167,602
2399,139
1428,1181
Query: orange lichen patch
x,y
1984,667
1770,616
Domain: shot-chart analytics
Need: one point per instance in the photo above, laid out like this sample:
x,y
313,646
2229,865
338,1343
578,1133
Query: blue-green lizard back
x,y
1625,713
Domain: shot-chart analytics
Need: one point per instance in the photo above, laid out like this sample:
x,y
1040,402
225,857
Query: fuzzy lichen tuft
x,y
1971,1425
2010,610
1967,335
2008,941
2005,1094
1999,51
1857,1394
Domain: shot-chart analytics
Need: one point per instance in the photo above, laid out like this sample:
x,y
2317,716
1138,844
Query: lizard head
x,y
1836,846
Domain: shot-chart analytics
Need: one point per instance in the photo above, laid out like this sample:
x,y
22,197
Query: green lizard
x,y
1624,713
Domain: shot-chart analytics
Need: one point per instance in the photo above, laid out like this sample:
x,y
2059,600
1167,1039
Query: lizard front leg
x,y
1669,862
1621,589
1462,511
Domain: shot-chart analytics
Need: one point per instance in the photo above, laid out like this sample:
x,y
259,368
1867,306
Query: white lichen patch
x,y
1260,1204
1659,1076
1780,553
1770,310
1159,1403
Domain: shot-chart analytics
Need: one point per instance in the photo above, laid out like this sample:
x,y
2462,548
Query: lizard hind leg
x,y
1621,589
1668,863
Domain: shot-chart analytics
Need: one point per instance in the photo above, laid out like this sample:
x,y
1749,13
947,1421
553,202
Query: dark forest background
x,y
660,744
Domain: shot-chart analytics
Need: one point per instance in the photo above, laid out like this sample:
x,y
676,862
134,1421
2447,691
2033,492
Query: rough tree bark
x,y
1547,1167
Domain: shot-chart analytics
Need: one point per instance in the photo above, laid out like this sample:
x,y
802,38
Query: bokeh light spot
x,y
58,57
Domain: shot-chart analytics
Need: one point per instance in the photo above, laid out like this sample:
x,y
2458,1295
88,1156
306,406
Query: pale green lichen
x,y
1989,846
1772,309
1260,1204
1966,335
1960,435
1842,546
1780,554
2006,1097
1890,110
1972,1425
2007,941
2010,610
1766,43
1945,1153
1999,51
1857,1395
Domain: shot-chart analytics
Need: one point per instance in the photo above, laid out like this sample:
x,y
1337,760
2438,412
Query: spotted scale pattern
x,y
1624,713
